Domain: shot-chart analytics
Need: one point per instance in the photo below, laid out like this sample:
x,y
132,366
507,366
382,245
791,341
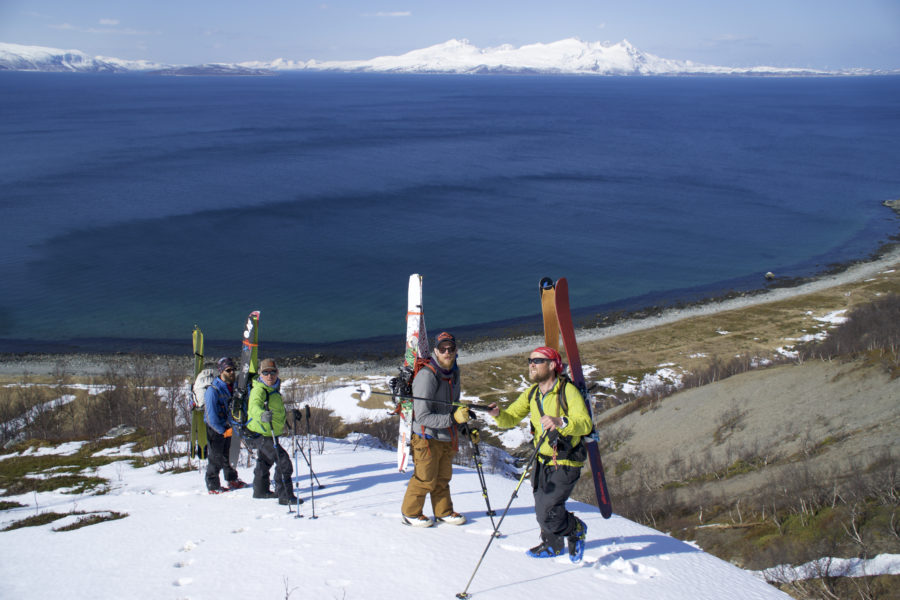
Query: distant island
x,y
564,57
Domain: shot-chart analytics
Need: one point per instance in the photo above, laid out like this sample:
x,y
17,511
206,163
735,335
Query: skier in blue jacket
x,y
219,428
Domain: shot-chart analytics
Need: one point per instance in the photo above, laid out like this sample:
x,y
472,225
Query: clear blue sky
x,y
783,33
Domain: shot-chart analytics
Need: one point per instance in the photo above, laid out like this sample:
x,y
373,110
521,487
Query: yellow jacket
x,y
579,424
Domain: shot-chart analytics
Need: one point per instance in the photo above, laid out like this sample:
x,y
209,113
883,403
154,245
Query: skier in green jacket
x,y
266,418
560,457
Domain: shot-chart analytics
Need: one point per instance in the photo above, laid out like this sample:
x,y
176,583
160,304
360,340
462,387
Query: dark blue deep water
x,y
135,206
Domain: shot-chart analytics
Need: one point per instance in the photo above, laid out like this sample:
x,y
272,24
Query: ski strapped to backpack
x,y
198,443
249,365
416,349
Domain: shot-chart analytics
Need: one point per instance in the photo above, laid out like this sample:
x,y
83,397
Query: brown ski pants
x,y
433,470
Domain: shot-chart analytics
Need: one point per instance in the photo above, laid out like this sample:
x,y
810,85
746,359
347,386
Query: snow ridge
x,y
14,57
569,56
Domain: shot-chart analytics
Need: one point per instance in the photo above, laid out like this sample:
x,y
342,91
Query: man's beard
x,y
538,378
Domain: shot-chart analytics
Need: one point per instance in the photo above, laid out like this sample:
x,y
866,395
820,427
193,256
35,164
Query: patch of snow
x,y
349,551
834,318
883,564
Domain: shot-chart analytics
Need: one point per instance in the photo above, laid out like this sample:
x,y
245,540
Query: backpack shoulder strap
x,y
563,405
531,394
563,383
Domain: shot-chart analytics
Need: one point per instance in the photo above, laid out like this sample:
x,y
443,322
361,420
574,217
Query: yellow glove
x,y
461,414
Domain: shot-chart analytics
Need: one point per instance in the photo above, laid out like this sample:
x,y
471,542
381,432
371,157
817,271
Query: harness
x,y
245,431
561,444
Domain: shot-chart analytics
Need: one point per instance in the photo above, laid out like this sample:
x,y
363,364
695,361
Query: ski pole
x,y
365,391
296,463
474,438
464,594
299,415
312,493
303,454
274,441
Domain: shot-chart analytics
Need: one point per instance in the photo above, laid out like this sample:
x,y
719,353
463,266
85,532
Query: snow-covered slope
x,y
15,57
565,56
179,542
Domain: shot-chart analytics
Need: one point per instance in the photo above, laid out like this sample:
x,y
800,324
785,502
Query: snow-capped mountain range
x,y
569,56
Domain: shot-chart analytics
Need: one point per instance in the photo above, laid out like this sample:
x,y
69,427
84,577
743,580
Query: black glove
x,y
298,415
553,438
266,416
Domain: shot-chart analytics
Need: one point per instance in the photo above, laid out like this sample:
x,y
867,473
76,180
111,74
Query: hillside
x,y
758,439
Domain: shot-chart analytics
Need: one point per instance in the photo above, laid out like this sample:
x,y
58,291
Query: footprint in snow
x,y
183,563
188,546
183,581
623,571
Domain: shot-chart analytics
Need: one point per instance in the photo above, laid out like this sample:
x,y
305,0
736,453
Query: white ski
x,y
416,347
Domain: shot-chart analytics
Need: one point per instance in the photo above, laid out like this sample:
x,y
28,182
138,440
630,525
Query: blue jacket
x,y
217,399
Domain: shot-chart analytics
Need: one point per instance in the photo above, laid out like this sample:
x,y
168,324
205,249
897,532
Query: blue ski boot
x,y
576,541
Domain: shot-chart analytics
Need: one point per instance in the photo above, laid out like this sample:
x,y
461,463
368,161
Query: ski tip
x,y
546,284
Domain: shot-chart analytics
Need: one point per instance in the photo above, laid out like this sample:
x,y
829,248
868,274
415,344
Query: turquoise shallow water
x,y
137,206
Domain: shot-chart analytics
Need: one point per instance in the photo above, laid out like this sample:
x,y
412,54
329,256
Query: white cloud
x,y
109,21
404,13
730,39
106,30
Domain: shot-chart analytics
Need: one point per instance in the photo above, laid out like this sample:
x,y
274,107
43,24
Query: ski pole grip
x,y
307,413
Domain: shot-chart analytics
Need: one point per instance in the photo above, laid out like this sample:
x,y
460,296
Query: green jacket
x,y
579,420
256,405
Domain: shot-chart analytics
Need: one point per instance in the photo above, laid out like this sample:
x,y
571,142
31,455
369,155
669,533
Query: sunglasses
x,y
268,372
446,349
228,370
538,361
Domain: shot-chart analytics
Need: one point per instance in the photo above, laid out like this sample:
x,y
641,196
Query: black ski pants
x,y
552,487
267,454
219,449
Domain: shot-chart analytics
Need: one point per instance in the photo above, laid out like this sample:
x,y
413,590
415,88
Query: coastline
x,y
855,272
93,364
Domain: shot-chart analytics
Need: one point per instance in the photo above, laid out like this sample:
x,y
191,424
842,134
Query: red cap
x,y
552,355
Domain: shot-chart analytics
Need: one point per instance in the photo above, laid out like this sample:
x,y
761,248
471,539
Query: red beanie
x,y
552,355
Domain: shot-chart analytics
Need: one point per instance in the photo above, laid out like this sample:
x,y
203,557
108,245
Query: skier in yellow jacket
x,y
560,457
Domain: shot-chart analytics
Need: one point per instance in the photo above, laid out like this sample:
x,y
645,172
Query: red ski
x,y
567,332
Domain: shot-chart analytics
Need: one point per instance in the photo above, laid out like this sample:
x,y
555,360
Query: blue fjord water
x,y
136,206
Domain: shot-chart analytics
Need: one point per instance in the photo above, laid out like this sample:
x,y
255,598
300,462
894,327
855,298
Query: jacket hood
x,y
272,388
